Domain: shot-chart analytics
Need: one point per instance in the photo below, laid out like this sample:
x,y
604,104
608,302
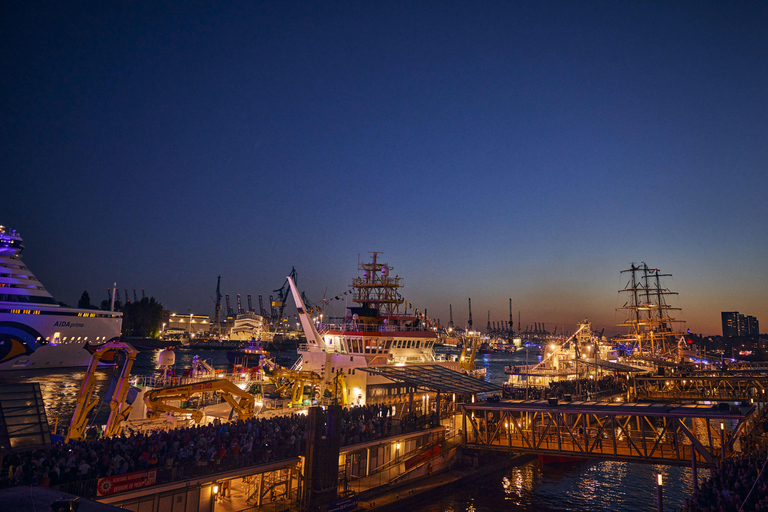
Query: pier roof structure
x,y
607,365
435,378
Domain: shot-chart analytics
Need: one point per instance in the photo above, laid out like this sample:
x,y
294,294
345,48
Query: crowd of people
x,y
184,452
577,389
739,484
178,452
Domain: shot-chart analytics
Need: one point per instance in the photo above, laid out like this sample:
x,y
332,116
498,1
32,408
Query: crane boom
x,y
117,403
156,400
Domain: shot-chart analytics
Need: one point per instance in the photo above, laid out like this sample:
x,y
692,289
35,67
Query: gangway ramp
x,y
654,433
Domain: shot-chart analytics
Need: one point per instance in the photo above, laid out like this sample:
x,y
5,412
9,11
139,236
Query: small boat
x,y
252,353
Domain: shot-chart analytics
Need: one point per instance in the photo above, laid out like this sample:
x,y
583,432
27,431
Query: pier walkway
x,y
700,386
654,433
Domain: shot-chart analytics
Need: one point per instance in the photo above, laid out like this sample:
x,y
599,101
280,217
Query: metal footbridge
x,y
653,433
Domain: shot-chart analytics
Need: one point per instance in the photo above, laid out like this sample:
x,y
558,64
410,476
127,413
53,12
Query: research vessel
x,y
35,331
375,332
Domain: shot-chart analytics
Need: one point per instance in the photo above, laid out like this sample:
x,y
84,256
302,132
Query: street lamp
x,y
659,500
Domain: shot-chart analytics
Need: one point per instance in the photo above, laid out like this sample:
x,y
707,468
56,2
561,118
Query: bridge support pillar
x,y
693,468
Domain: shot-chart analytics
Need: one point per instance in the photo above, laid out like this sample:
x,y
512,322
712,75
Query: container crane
x,y
262,311
469,322
230,313
250,304
217,311
278,304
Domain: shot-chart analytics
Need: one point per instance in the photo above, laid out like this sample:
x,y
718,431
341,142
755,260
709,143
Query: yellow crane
x,y
467,361
119,409
339,389
156,400
295,380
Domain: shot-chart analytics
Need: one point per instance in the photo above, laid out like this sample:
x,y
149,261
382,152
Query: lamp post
x,y
659,500
722,441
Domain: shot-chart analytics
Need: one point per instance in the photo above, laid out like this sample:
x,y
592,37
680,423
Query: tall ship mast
x,y
650,321
35,331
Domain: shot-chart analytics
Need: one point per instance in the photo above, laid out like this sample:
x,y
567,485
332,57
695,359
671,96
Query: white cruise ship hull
x,y
39,337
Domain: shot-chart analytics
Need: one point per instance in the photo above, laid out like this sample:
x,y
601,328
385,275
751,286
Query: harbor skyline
x,y
523,151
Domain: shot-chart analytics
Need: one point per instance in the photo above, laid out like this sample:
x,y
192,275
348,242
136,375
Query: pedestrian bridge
x,y
654,433
702,386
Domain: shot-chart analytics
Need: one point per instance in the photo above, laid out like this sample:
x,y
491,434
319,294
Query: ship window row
x,y
19,276
26,286
28,299
387,390
413,344
382,346
11,265
370,346
71,339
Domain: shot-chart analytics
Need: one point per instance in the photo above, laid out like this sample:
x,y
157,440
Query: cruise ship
x,y
35,331
374,333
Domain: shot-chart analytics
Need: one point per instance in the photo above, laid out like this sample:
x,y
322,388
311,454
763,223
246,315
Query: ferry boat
x,y
373,333
35,331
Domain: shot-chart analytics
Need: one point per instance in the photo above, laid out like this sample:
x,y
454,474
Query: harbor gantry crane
x,y
230,314
217,311
239,305
469,322
262,311
278,304
250,304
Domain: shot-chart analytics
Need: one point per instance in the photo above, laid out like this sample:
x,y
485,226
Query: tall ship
x,y
651,323
374,332
35,331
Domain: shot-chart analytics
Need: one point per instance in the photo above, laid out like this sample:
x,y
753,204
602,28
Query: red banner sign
x,y
128,482
421,458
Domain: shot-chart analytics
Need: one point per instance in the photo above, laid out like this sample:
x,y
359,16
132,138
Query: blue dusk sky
x,y
490,150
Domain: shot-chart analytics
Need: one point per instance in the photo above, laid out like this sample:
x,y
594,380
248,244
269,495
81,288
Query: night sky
x,y
492,150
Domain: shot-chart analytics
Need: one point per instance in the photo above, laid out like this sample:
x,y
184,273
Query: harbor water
x,y
585,485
